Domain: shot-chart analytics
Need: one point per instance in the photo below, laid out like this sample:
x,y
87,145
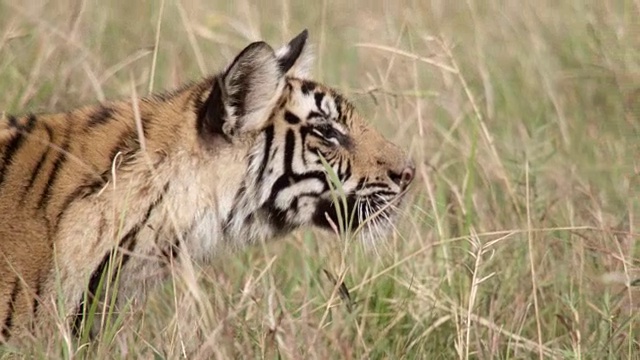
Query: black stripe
x,y
36,170
15,143
90,187
49,131
211,114
347,171
31,123
92,287
278,219
129,240
237,198
307,86
94,281
362,184
319,96
101,228
36,300
175,245
315,114
79,192
289,148
327,207
23,128
127,146
304,132
8,320
101,116
339,108
57,165
291,118
268,140
384,193
287,180
171,253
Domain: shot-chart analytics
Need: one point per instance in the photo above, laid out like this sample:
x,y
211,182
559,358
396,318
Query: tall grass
x,y
520,237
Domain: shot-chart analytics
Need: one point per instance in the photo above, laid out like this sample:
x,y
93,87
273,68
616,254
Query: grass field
x,y
520,239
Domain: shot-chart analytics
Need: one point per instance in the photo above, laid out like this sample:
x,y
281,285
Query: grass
x,y
520,237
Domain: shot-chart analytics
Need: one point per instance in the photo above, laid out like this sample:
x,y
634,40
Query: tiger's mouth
x,y
370,216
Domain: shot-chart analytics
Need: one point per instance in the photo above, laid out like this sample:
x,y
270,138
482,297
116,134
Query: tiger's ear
x,y
296,58
244,95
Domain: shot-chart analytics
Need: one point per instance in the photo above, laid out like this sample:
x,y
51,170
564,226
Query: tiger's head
x,y
311,153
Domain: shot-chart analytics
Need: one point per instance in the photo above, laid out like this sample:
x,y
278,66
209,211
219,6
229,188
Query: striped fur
x,y
231,160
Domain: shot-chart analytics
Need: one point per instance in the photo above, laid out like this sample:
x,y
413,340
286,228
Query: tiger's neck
x,y
160,206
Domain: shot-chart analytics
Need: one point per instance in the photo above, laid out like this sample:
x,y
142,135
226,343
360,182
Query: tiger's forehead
x,y
325,100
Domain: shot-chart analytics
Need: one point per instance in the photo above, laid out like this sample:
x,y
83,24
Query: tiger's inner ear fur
x,y
243,96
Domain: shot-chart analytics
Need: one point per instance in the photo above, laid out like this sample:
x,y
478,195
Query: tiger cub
x,y
237,158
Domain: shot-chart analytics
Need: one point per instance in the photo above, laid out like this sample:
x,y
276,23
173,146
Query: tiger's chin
x,y
370,218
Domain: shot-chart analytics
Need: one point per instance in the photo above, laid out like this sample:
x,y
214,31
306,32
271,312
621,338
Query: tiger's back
x,y
236,158
51,169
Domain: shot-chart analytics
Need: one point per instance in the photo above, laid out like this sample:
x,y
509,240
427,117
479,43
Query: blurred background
x,y
520,237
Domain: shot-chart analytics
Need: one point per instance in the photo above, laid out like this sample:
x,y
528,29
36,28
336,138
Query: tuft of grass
x,y
519,239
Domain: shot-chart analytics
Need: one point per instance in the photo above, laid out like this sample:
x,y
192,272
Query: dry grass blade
x,y
342,289
409,55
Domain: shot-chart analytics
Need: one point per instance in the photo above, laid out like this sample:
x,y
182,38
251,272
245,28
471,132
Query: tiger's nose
x,y
407,175
404,177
